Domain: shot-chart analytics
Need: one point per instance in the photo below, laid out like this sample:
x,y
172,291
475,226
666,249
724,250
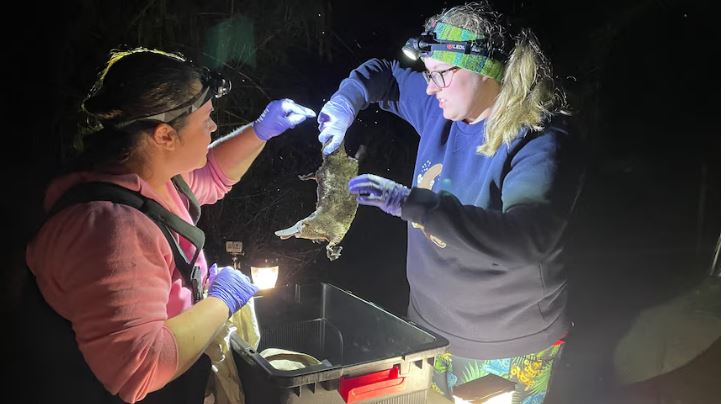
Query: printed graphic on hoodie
x,y
426,180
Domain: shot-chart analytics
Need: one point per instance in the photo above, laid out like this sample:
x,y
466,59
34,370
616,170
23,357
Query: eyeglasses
x,y
438,78
213,85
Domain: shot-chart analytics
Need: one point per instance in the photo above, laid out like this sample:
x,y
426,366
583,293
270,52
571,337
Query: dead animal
x,y
336,207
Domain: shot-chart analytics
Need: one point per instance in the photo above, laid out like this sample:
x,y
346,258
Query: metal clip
x,y
197,288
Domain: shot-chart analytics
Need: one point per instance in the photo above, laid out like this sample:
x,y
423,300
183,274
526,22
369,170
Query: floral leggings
x,y
531,373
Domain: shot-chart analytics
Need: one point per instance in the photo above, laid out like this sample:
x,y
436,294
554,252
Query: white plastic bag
x,y
226,386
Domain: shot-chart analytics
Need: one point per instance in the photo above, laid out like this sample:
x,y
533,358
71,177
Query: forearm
x,y
236,151
524,234
195,328
395,89
371,82
537,196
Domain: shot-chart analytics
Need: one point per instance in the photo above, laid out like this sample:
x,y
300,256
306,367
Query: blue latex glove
x,y
231,286
278,116
335,117
381,192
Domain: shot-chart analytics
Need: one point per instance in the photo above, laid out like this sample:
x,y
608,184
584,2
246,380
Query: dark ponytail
x,y
133,83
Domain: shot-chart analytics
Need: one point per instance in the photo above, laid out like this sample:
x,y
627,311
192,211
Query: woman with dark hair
x,y
110,271
495,181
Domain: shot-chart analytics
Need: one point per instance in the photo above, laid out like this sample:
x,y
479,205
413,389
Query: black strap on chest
x,y
168,222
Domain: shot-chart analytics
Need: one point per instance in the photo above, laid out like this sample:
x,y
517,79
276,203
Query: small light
x,y
503,398
410,52
490,389
264,273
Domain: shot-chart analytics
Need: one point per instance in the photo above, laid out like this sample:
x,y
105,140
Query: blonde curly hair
x,y
528,96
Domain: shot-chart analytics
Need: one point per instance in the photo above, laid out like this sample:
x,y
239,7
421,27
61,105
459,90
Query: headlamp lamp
x,y
419,45
424,44
213,85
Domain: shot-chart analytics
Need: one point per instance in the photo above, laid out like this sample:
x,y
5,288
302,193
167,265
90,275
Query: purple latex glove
x,y
381,192
335,117
210,274
231,286
278,116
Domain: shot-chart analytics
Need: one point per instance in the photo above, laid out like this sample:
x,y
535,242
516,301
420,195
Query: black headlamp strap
x,y
477,46
214,85
467,47
168,116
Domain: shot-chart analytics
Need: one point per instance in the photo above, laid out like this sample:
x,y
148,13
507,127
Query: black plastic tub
x,y
368,355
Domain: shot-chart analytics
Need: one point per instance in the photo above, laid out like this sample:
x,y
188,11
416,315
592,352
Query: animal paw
x,y
333,251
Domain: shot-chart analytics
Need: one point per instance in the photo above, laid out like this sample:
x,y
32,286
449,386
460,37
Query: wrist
x,y
259,134
343,111
354,93
404,195
217,305
400,196
404,190
260,131
219,297
417,204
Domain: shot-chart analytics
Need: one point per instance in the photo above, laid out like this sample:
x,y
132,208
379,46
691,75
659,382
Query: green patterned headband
x,y
476,63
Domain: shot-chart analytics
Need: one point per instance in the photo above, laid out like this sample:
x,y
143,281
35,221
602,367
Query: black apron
x,y
47,354
56,372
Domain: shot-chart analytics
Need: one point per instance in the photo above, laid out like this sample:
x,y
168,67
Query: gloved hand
x,y
278,116
335,117
381,192
231,286
211,274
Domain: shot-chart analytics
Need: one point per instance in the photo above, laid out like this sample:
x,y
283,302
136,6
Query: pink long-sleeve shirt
x,y
108,269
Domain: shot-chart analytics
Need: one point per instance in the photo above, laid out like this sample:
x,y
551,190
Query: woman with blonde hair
x,y
496,178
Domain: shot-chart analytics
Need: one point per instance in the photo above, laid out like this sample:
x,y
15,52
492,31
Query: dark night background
x,y
643,80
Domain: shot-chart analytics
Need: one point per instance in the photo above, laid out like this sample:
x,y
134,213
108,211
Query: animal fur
x,y
335,208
